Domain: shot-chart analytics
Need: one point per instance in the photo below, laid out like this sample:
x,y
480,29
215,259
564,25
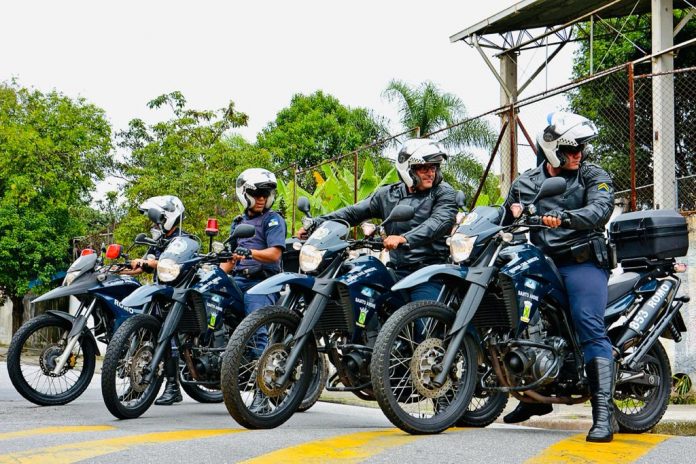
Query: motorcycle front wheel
x,y
130,351
254,359
639,405
407,354
32,356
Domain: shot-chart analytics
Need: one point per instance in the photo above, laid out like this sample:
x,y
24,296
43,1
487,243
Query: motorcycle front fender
x,y
70,318
77,288
427,273
275,283
144,295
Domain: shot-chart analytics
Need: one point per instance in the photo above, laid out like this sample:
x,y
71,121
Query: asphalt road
x,y
328,433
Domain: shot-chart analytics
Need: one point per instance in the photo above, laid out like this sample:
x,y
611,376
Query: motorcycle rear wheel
x,y
202,394
31,358
639,407
485,406
414,340
320,372
130,350
248,370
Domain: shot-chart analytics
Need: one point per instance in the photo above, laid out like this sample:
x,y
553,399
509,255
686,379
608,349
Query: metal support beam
x,y
541,67
683,22
665,189
500,79
508,96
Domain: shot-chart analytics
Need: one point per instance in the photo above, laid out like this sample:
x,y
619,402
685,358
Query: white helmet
x,y
419,151
170,207
565,129
256,179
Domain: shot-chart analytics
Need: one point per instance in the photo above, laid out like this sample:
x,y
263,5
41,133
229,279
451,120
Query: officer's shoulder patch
x,y
604,186
273,221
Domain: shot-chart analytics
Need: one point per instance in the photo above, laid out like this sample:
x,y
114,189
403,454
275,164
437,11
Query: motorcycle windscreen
x,y
181,249
329,235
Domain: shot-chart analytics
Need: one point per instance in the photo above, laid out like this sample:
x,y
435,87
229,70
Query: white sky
x,y
119,55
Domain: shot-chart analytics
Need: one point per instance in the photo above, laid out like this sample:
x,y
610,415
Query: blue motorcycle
x,y
52,357
194,305
336,307
507,298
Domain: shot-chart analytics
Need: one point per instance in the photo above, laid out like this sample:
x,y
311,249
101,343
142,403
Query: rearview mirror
x,y
368,228
400,213
550,188
142,239
243,231
460,198
303,205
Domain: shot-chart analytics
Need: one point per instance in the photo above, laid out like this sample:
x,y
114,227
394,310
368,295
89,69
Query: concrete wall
x,y
6,323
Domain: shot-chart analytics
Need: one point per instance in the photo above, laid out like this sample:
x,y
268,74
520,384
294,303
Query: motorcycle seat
x,y
620,285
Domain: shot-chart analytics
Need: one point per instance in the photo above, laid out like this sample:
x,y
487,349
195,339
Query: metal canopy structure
x,y
509,32
532,14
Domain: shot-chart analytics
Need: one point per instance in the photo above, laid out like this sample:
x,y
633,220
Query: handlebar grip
x,y
534,221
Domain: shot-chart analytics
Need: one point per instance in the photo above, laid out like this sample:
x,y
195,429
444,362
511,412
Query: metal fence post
x,y
632,133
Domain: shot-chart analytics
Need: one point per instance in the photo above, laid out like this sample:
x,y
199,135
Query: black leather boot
x,y
600,374
524,411
172,393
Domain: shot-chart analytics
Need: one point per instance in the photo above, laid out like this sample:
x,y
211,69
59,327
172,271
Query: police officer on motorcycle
x,y
257,257
575,241
172,212
418,165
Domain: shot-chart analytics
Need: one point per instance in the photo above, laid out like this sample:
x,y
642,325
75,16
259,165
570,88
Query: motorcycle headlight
x,y
461,246
310,258
168,270
70,277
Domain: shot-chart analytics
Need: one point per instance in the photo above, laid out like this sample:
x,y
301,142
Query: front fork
x,y
74,335
314,311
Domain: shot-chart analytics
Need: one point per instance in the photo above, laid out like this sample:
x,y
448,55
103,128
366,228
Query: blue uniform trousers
x,y
254,302
586,286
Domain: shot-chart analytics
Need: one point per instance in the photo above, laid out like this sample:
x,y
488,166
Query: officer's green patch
x,y
603,186
272,222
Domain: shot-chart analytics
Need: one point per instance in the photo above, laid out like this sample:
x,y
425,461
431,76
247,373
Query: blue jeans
x,y
586,285
251,304
423,291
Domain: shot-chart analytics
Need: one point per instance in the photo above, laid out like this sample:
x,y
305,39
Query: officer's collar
x,y
246,214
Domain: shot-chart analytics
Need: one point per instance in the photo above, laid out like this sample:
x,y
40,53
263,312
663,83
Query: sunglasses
x,y
571,150
260,193
424,167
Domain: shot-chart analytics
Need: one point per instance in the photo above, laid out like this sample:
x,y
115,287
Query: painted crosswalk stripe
x,y
625,448
73,452
54,431
343,449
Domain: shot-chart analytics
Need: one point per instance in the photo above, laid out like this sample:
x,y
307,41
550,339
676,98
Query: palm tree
x,y
433,111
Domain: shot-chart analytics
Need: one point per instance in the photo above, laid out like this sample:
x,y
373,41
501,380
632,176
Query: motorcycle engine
x,y
356,365
532,363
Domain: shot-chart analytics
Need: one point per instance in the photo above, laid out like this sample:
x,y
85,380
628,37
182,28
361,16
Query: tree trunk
x,y
17,312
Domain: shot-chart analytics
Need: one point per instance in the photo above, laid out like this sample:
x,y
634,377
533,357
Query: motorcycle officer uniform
x,y
578,249
418,165
257,257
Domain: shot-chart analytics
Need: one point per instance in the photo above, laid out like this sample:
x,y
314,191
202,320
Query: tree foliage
x,y
317,127
52,150
430,109
605,100
192,156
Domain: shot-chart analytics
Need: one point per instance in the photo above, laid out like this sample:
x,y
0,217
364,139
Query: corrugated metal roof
x,y
530,14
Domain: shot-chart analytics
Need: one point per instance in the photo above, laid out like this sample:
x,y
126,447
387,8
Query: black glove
x,y
243,252
562,215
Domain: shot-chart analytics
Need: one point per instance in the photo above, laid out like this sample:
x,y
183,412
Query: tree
x,y
429,109
52,150
317,127
192,156
605,100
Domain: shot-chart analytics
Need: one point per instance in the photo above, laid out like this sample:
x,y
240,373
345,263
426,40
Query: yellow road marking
x,y
73,452
625,448
55,430
350,448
